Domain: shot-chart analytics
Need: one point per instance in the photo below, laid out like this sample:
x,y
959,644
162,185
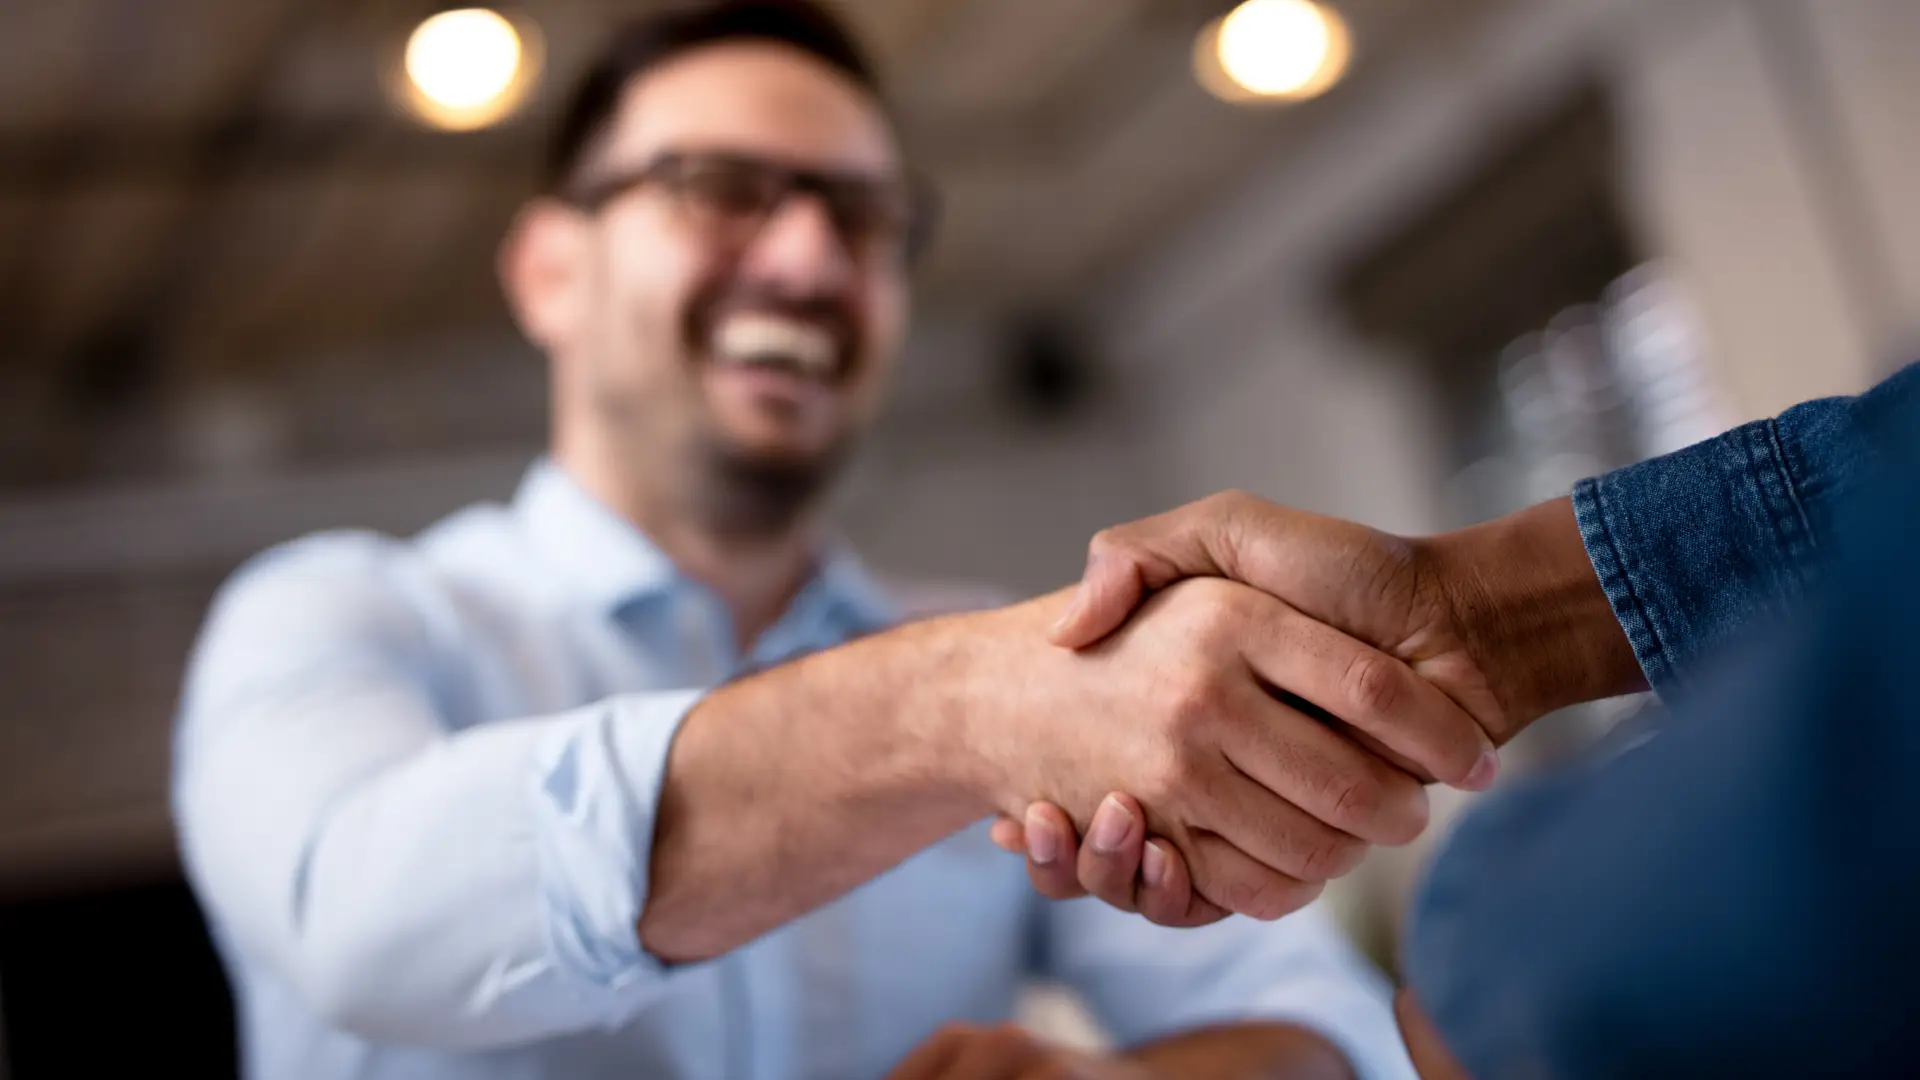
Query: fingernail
x,y
1484,772
1111,823
1073,609
1153,866
1043,844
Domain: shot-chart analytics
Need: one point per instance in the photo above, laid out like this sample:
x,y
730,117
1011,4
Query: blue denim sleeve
x,y
1695,546
1732,894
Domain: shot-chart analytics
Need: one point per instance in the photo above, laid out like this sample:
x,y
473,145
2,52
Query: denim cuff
x,y
1695,546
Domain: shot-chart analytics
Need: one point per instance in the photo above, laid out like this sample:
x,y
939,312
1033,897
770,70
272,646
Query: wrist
x,y
1532,613
949,672
976,702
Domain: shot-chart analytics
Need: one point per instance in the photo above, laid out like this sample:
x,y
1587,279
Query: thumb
x,y
1110,588
1124,563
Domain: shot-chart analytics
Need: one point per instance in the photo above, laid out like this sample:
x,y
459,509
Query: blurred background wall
x,y
243,297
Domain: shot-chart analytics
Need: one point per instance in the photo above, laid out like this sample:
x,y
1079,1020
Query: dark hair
x,y
651,40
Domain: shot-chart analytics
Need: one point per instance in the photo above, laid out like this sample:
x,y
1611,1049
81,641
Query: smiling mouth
x,y
778,343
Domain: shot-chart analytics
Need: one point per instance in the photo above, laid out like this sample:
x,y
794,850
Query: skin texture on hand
x,y
1377,587
1252,1051
1263,802
1506,618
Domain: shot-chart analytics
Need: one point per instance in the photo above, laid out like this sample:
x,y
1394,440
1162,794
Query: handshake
x,y
1241,697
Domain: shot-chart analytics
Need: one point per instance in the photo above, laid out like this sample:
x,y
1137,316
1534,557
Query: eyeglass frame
x,y
922,197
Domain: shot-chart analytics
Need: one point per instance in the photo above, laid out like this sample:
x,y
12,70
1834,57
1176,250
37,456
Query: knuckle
x,y
1220,608
1166,779
1163,783
1107,542
1194,704
1372,684
1267,897
1356,803
1229,499
1250,895
1284,899
1328,859
1230,510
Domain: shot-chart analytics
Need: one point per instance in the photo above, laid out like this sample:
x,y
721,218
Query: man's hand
x,y
1006,1052
876,749
1507,619
1263,802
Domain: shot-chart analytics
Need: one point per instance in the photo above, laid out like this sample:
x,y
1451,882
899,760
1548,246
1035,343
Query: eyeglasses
x,y
733,195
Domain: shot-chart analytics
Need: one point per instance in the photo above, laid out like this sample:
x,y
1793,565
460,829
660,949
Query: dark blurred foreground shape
x,y
114,983
242,297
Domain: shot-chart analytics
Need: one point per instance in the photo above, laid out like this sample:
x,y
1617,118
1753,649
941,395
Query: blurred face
x,y
728,296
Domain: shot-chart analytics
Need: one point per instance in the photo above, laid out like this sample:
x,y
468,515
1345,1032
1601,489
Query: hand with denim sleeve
x,y
1629,582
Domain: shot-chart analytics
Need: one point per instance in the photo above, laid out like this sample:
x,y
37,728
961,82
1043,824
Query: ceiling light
x,y
468,68
1272,50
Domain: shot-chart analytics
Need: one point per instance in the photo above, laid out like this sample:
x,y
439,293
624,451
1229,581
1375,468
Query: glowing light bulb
x,y
1285,50
467,68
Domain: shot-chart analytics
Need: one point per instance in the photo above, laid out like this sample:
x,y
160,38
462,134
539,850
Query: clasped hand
x,y
1257,803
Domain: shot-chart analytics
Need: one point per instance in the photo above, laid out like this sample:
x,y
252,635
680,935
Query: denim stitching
x,y
1784,461
1647,645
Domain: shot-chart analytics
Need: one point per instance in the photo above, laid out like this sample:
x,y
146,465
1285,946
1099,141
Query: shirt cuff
x,y
594,794
1693,547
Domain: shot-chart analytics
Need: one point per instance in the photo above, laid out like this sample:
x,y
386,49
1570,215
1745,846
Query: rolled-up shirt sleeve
x,y
413,882
1695,546
1146,981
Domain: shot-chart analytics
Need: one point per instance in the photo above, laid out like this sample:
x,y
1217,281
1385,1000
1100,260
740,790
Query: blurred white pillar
x,y
1867,49
1757,139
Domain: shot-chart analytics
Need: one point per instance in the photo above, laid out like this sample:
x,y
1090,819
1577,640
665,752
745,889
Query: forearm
x,y
787,789
1269,1051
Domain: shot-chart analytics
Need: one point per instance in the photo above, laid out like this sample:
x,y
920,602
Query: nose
x,y
799,249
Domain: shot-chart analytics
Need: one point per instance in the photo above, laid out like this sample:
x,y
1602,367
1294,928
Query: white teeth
x,y
750,338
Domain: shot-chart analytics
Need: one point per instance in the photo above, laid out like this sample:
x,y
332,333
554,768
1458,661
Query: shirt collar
x,y
616,565
598,552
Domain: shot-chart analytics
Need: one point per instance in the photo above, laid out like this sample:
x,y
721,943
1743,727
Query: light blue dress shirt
x,y
415,782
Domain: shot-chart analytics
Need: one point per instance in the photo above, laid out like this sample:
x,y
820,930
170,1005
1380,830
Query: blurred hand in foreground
x,y
1006,1052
